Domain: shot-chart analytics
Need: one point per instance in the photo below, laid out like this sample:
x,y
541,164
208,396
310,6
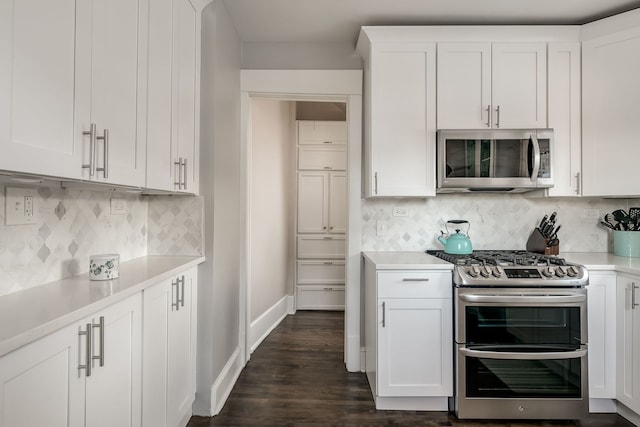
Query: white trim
x,y
602,406
628,414
363,359
222,386
267,322
413,403
302,82
291,304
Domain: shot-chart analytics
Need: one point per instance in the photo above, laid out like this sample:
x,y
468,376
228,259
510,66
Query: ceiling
x,y
338,21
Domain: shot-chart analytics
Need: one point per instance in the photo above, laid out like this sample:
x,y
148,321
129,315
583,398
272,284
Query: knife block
x,y
538,244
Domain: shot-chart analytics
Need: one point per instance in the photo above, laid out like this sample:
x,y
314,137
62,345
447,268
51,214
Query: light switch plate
x,y
118,206
20,206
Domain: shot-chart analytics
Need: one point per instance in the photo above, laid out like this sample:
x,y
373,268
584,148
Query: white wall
x,y
218,290
272,203
300,56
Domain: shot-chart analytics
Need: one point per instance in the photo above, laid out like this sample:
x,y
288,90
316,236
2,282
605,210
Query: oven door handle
x,y
536,299
479,354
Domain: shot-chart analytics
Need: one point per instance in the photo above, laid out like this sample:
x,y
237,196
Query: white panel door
x,y
415,347
601,310
113,391
464,85
118,57
322,132
402,122
519,85
40,383
628,342
610,111
564,109
337,202
313,198
38,86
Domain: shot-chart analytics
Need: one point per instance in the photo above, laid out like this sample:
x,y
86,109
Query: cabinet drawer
x,y
321,272
311,132
415,284
322,158
318,297
321,246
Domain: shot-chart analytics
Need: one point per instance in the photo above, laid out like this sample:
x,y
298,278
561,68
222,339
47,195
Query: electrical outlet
x,y
118,206
591,213
400,211
20,206
381,228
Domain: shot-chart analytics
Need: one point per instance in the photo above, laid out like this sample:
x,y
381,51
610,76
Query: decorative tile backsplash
x,y
498,221
74,224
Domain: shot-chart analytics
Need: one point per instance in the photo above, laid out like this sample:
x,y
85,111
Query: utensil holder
x,y
626,243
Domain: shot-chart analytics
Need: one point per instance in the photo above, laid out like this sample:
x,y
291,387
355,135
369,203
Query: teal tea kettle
x,y
457,243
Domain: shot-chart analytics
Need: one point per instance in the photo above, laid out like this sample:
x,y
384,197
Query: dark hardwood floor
x,y
297,377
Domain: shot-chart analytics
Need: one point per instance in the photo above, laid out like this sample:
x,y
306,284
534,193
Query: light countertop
x,y
33,313
406,261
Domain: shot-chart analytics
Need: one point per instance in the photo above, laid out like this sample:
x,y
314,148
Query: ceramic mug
x,y
104,267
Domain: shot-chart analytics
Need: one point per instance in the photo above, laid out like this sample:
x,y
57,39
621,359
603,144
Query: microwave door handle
x,y
536,158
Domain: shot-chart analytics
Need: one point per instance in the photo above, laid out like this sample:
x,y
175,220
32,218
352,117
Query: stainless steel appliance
x,y
494,160
520,336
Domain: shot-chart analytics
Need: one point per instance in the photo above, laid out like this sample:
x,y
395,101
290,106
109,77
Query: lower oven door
x,y
521,382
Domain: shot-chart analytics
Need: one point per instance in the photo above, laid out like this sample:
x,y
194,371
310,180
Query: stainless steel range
x,y
520,336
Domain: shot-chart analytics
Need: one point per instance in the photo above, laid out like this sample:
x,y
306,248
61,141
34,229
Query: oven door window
x,y
523,325
509,378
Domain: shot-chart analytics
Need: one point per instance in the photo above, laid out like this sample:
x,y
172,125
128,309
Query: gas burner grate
x,y
499,258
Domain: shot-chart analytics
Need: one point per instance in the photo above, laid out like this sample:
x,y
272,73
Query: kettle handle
x,y
457,222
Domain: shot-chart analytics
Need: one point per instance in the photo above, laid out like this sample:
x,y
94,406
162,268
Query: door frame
x,y
307,85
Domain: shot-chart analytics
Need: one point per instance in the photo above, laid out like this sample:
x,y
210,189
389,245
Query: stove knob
x,y
573,271
560,272
548,272
473,271
485,271
498,271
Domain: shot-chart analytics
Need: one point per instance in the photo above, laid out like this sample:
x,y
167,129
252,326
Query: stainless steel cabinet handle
x,y
498,116
87,349
181,298
578,183
328,238
92,150
634,304
415,280
375,181
327,167
522,356
99,357
178,180
176,293
328,262
384,314
184,169
105,139
327,142
489,115
328,289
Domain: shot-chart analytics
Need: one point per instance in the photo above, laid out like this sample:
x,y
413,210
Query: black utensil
x,y
606,224
609,219
621,216
554,235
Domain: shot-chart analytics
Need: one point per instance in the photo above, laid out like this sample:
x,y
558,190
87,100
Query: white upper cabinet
x,y
610,112
71,89
400,118
173,79
564,113
322,132
38,87
322,198
492,85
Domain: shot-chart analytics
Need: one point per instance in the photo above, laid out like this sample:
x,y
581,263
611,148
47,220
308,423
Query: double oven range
x,y
520,336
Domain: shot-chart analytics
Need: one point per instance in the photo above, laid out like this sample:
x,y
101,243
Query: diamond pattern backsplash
x,y
175,225
499,221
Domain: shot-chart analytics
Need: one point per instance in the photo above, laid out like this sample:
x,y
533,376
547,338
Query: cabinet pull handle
x,y
99,357
578,183
181,298
184,171
328,262
92,149
409,279
180,164
634,304
489,115
105,152
327,142
328,238
177,290
328,289
328,167
384,314
375,181
498,116
87,350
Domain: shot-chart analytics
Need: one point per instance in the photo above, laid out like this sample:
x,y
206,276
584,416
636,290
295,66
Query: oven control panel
x,y
487,275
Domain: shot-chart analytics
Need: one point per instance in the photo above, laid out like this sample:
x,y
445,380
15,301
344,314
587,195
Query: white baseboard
x,y
629,414
363,359
602,406
221,388
291,304
263,325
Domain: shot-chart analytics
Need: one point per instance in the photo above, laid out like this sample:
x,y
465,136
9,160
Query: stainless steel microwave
x,y
499,160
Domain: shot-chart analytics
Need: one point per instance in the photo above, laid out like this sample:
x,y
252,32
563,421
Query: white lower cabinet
x,y
409,337
50,380
628,342
601,312
169,351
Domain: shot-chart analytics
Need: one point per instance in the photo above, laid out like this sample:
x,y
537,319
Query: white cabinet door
x,y
114,390
464,85
172,94
40,383
601,310
519,85
322,132
415,347
320,157
400,125
38,86
628,342
337,202
313,191
564,109
610,111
